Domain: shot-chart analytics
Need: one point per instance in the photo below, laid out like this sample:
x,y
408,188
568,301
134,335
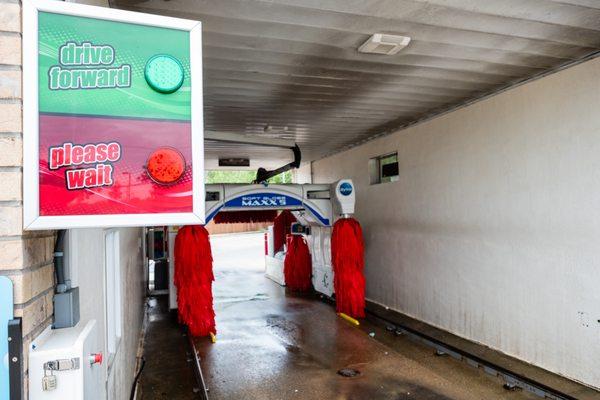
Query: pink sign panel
x,y
96,165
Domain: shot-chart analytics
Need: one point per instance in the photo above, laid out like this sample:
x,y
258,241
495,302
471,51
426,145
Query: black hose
x,y
136,379
262,174
59,268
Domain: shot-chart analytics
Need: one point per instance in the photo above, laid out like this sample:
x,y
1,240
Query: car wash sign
x,y
112,118
263,200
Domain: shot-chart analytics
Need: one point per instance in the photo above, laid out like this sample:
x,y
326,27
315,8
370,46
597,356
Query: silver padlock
x,y
48,381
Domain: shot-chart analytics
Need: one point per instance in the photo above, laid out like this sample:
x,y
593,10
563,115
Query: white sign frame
x,y
31,216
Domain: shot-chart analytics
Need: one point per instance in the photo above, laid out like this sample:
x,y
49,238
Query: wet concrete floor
x,y
276,345
168,372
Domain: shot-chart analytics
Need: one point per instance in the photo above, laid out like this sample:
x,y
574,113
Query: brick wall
x,y
25,257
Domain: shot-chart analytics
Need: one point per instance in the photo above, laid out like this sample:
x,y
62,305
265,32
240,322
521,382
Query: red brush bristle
x,y
297,266
193,279
281,228
347,256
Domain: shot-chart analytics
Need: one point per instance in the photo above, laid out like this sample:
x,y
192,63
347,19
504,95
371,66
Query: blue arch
x,y
267,200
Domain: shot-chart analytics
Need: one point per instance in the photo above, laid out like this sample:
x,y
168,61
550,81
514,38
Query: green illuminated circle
x,y
164,73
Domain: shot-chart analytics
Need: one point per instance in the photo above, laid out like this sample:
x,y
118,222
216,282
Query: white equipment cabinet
x,y
274,267
319,243
74,357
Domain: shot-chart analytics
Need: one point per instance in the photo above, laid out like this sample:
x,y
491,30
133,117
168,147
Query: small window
x,y
112,293
384,168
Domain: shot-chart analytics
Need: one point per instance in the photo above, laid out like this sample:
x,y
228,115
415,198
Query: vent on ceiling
x,y
381,43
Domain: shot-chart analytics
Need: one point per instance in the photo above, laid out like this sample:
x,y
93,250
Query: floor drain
x,y
348,372
511,387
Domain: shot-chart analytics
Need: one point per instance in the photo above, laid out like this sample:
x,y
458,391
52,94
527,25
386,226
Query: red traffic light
x,y
165,165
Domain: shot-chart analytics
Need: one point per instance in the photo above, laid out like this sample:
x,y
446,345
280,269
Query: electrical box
x,y
66,309
67,364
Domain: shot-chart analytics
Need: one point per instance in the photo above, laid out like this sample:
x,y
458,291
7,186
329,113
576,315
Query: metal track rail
x,y
512,379
197,369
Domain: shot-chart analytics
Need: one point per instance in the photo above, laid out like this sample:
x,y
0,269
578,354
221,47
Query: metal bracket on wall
x,y
15,358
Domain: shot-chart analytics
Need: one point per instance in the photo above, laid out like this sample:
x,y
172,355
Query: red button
x,y
96,358
165,165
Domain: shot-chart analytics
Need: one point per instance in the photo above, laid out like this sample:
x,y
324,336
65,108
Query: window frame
x,y
376,169
113,288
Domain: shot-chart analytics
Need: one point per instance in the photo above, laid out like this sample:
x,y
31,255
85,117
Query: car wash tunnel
x,y
299,199
284,327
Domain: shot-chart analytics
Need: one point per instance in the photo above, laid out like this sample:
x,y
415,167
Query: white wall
x,y
493,230
302,174
87,262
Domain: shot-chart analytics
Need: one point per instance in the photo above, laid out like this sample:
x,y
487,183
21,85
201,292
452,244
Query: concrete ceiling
x,y
292,65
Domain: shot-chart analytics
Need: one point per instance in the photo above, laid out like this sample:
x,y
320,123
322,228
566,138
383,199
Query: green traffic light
x,y
164,73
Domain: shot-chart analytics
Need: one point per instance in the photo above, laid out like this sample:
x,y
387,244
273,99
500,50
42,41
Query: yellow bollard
x,y
349,319
213,338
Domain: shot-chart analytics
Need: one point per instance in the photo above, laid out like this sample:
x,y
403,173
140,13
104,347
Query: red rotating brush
x,y
297,266
193,279
347,257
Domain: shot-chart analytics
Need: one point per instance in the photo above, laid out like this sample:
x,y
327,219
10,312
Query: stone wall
x,y
25,257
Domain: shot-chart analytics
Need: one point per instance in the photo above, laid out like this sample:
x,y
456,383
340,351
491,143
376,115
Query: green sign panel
x,y
97,67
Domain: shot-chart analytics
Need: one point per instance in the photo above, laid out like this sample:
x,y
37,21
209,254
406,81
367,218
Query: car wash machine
x,y
324,249
315,208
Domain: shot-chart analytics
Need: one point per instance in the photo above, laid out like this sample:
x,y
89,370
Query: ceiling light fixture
x,y
381,43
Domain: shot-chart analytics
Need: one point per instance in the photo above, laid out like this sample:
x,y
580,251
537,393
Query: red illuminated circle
x,y
165,165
